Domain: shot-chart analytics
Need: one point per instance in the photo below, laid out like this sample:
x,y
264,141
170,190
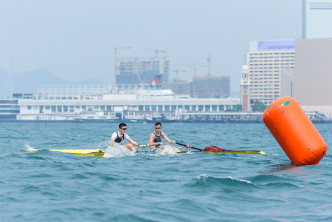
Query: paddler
x,y
118,137
157,136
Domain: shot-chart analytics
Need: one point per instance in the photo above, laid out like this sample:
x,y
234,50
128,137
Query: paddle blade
x,y
212,149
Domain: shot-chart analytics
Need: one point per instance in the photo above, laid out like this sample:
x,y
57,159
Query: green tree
x,y
257,106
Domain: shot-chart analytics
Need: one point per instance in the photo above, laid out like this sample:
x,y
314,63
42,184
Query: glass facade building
x,y
317,19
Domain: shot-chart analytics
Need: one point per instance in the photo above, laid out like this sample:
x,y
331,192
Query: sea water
x,y
145,186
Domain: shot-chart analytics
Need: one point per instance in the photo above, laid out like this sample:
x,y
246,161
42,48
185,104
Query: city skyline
x,y
67,37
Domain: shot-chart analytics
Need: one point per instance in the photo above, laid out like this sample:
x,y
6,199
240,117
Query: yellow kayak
x,y
100,152
81,152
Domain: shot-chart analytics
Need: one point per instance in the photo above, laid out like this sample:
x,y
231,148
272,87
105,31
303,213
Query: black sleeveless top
x,y
119,138
158,138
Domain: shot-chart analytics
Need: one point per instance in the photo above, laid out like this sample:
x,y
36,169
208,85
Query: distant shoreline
x,y
176,121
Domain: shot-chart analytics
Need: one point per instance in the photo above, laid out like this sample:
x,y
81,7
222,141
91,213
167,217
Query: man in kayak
x,y
157,136
118,137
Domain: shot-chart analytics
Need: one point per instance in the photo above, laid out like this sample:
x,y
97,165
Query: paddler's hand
x,y
173,141
142,146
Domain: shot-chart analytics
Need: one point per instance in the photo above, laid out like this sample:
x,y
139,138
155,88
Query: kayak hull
x,y
100,152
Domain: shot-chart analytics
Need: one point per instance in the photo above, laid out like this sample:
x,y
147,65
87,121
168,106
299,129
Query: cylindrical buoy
x,y
294,132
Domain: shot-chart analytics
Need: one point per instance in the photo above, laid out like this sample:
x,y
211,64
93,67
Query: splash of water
x,y
29,148
166,150
116,150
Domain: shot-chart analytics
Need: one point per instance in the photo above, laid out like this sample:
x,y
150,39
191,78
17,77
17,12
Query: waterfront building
x,y
9,108
211,86
142,71
244,88
317,19
70,103
313,74
82,104
265,61
181,87
203,87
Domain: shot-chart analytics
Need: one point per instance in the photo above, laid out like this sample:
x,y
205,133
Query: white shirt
x,y
114,136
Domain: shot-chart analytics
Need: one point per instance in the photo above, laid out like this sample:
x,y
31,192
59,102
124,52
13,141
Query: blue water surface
x,y
53,186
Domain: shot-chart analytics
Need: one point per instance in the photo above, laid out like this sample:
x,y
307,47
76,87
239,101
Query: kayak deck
x,y
83,152
100,152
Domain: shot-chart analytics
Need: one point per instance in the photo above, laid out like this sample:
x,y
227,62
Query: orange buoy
x,y
294,132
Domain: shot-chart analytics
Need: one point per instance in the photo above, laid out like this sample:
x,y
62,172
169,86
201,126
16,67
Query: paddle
x,y
188,146
214,149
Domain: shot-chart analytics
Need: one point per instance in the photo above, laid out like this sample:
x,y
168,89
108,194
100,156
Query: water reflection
x,y
282,167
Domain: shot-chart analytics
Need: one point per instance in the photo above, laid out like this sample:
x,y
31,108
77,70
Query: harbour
x,y
155,111
78,104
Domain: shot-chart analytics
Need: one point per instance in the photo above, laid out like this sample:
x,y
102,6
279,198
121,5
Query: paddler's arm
x,y
113,137
134,143
151,143
167,139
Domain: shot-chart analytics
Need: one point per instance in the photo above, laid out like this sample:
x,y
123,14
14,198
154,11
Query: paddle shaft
x,y
188,146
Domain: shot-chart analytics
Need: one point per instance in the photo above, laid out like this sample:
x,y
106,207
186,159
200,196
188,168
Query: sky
x,y
70,38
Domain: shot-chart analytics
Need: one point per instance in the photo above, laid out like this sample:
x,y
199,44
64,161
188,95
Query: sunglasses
x,y
157,127
124,128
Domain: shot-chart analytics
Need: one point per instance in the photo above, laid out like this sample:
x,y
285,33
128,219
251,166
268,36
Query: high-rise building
x,y
266,60
313,74
143,71
317,19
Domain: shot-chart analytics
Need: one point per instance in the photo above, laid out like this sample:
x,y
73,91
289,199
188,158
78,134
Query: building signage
x,y
275,45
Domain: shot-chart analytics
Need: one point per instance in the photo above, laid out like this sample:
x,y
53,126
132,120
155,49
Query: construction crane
x,y
134,64
177,72
194,66
209,64
115,48
155,51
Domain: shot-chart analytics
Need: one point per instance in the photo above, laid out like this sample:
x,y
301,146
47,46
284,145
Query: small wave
x,y
115,150
205,179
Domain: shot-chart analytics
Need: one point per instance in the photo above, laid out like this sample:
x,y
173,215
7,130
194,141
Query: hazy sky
x,y
57,34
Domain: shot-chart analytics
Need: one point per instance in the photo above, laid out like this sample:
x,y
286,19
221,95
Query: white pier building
x,y
101,102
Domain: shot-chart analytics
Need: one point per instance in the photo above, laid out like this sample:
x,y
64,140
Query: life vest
x,y
119,138
157,139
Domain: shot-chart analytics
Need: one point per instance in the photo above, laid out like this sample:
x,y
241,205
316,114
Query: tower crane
x,y
115,48
194,66
177,72
155,51
209,64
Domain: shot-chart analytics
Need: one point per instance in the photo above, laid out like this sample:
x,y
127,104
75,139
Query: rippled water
x,y
53,186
